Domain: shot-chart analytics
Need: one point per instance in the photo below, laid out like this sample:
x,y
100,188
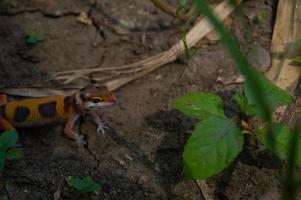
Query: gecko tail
x,y
3,99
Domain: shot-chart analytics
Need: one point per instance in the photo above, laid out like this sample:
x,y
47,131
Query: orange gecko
x,y
41,111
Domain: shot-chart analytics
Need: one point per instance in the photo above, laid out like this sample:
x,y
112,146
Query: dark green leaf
x,y
244,106
282,136
84,185
214,143
273,95
14,154
199,105
90,185
298,42
33,38
76,183
9,138
2,160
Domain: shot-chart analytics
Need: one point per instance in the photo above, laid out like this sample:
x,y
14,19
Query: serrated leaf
x,y
14,154
182,2
244,106
76,183
9,138
214,144
282,138
200,105
273,95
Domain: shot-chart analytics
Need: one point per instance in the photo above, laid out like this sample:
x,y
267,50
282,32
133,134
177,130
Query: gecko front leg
x,y
68,129
100,125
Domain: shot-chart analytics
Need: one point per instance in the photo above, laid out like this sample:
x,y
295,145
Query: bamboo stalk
x,y
284,72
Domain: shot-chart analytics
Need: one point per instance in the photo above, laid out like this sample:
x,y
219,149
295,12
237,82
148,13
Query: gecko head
x,y
93,96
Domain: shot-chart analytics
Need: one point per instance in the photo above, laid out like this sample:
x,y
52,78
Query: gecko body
x,y
34,112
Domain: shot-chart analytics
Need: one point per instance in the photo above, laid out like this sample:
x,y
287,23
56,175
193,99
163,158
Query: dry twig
x,y
143,67
204,189
165,7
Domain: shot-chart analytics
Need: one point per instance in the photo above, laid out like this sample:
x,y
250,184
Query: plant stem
x,y
290,185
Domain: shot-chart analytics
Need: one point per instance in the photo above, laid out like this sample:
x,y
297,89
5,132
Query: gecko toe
x,y
102,128
80,140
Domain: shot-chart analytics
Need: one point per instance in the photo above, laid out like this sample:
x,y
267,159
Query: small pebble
x,y
259,58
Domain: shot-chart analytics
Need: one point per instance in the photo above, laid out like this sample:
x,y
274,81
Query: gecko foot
x,y
102,127
80,140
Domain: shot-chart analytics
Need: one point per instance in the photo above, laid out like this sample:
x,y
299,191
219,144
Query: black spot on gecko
x,y
21,114
48,110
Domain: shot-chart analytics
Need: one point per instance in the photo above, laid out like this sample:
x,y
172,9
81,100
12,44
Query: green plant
x,y
261,98
8,149
33,38
84,185
216,139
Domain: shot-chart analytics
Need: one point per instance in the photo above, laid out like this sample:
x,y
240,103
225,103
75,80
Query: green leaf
x,y
214,144
76,183
90,185
33,38
84,185
2,160
273,95
182,2
282,139
298,59
9,138
298,42
200,105
244,106
14,154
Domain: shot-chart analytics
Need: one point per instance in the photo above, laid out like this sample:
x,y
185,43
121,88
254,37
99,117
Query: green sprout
x,y
8,147
85,185
34,38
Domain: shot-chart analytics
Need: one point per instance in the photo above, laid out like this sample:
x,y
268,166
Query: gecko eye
x,y
96,100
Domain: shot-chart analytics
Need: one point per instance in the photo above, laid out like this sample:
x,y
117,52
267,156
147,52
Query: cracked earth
x,y
140,156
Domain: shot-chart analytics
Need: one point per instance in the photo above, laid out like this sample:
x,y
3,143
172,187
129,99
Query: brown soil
x,y
140,157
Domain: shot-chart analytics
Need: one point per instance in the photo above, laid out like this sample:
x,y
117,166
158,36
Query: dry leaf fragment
x,y
84,18
57,195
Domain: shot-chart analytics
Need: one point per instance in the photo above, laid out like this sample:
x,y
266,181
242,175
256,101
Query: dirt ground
x,y
140,157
